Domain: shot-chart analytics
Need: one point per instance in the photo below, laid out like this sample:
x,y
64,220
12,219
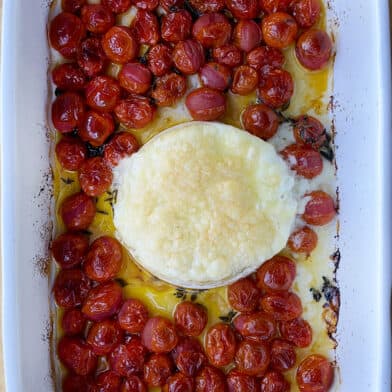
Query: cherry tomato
x,y
274,382
298,331
179,383
264,56
70,249
68,76
306,12
75,383
270,6
309,131
205,7
95,178
70,153
67,112
243,295
148,5
247,35
97,18
282,306
128,359
245,80
276,87
91,57
283,356
169,89
276,274
216,76
188,56
228,55
103,336
117,6
315,374
212,30
76,355
244,9
133,316
258,325
72,6
220,344
159,335
260,121
206,104
108,381
189,356
320,209
135,78
238,382
73,322
303,240
211,379
279,30
176,26
78,211
135,112
252,358
133,384
102,93
66,31
103,301
96,127
120,45
190,318
171,5
160,59
314,49
121,145
157,370
145,27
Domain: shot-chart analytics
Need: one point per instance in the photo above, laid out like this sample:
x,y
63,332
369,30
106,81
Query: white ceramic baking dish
x,y
362,110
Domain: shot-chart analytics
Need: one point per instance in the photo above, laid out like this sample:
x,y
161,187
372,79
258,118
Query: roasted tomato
x,y
157,370
243,295
103,336
171,5
176,26
283,355
188,56
298,331
270,6
212,30
149,5
169,89
279,30
228,55
70,153
252,358
160,59
190,318
211,379
102,93
315,374
244,9
205,7
255,326
274,382
309,131
145,27
133,316
135,111
72,6
97,18
67,112
95,177
206,104
77,211
96,127
75,383
216,76
68,76
189,356
245,80
90,57
239,382
73,322
117,6
265,56
135,78
119,45
179,383
159,335
303,240
320,209
133,384
108,381
220,344
282,306
121,145
306,12
260,121
247,35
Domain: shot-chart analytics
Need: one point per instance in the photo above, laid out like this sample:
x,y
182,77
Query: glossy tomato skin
x,y
160,59
73,322
206,104
188,56
212,30
244,9
298,331
282,306
176,26
149,5
107,381
70,249
135,78
103,301
243,295
77,211
238,382
68,76
75,383
102,93
120,45
133,384
97,18
70,153
171,5
103,336
309,131
145,28
159,335
274,382
265,56
228,55
255,325
247,35
260,120
270,6
279,30
211,379
190,318
157,370
252,358
67,112
303,240
169,89
220,344
283,355
117,6
216,76
245,80
90,57
320,209
315,374
306,12
121,145
179,383
96,127
189,356
204,7
72,6
95,176
133,316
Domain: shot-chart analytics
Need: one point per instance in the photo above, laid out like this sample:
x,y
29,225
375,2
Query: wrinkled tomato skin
x,y
97,18
103,301
303,240
206,104
108,381
315,374
76,356
73,322
133,316
135,78
117,6
245,80
77,211
67,112
96,127
70,249
252,358
309,131
157,370
120,45
279,30
189,356
133,384
247,35
220,344
274,382
188,56
283,355
103,336
216,76
176,26
75,383
160,59
270,6
179,383
204,7
72,6
306,12
243,9
149,5
238,382
228,55
95,176
320,209
255,325
102,93
121,145
190,319
145,28
211,379
169,89
91,58
171,5
70,153
159,335
243,295
265,56
297,331
260,120
283,306
135,112
68,76
212,30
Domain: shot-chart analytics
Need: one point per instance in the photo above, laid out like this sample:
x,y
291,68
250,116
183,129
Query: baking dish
x,y
361,107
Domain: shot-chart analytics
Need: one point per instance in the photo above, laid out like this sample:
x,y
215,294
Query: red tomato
x,y
66,31
243,295
68,76
260,121
169,89
314,49
120,45
160,59
220,344
95,177
320,209
204,7
247,35
91,57
216,76
190,318
76,356
211,379
303,240
257,325
276,274
228,55
75,383
70,153
78,211
102,93
315,374
212,30
103,301
73,322
96,127
264,56
72,6
188,56
135,111
298,331
159,335
157,370
274,382
179,383
133,384
171,5
133,316
309,131
117,6
176,26
97,18
70,249
306,12
121,145
67,112
279,30
245,80
252,358
283,356
135,78
145,27
103,336
244,9
238,382
149,5
271,6
282,306
108,381
206,104
189,356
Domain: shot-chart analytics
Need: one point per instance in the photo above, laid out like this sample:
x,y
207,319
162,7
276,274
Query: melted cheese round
x,y
202,204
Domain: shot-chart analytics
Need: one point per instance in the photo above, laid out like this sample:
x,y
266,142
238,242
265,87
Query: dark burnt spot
x,y
315,294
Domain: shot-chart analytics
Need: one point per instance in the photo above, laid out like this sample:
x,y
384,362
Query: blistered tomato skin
x,y
70,249
70,153
77,211
206,104
179,383
309,131
274,382
245,80
176,26
149,5
243,295
306,12
73,322
220,344
190,318
320,209
279,30
102,93
189,356
264,56
96,127
204,7
303,240
75,383
244,9
159,335
270,6
171,5
68,76
133,384
283,355
238,382
297,331
103,336
72,6
119,45
121,145
252,358
157,370
282,306
97,18
211,379
91,57
135,78
107,381
260,120
117,6
160,59
216,76
145,28
228,55
169,89
188,56
67,112
133,316
255,326
95,177
247,35
315,374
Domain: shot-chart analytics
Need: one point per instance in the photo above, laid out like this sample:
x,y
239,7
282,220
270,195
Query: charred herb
x,y
229,317
94,151
67,180
316,294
